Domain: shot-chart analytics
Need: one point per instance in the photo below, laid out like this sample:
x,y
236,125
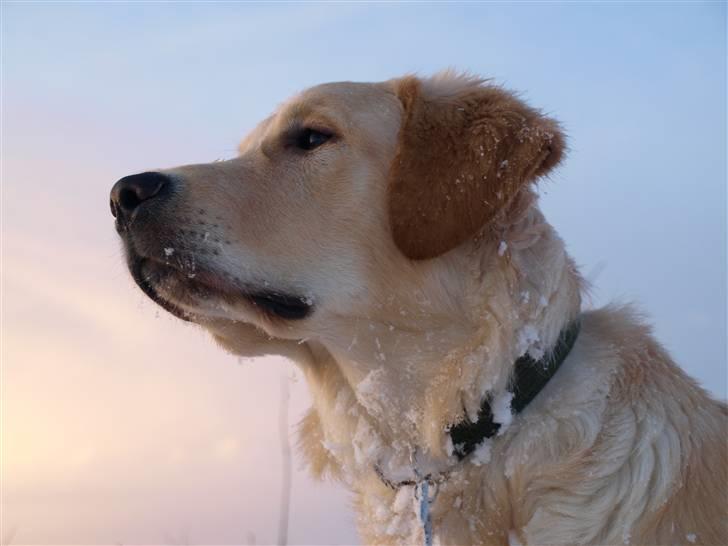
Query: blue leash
x,y
424,492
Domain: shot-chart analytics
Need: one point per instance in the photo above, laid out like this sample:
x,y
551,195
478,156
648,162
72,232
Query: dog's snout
x,y
131,191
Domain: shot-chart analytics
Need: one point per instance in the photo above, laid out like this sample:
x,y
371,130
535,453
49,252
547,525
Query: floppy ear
x,y
465,150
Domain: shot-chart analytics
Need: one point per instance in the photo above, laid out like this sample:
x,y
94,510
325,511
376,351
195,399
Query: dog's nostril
x,y
129,199
131,191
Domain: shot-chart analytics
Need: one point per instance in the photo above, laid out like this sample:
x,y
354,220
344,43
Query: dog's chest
x,y
463,509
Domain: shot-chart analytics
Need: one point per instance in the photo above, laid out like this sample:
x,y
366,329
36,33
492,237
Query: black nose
x,y
131,191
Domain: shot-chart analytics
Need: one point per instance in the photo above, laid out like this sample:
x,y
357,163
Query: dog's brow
x,y
255,135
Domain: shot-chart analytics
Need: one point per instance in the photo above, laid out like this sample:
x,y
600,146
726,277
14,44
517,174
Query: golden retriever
x,y
387,238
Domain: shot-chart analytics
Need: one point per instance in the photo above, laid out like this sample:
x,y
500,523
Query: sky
x,y
121,424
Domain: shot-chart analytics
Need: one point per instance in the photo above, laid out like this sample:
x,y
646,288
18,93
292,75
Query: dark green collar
x,y
529,378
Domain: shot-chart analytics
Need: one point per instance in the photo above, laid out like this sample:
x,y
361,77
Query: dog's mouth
x,y
186,291
148,275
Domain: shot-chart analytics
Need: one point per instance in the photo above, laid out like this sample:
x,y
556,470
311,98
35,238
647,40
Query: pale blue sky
x,y
95,91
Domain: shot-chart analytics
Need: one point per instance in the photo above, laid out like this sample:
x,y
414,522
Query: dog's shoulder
x,y
645,371
673,430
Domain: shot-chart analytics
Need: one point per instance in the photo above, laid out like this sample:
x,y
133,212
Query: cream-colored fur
x,y
620,447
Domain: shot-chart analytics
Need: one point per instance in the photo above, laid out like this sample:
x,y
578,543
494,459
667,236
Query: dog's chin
x,y
196,294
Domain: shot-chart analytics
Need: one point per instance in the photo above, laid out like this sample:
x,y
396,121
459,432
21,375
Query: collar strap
x,y
529,378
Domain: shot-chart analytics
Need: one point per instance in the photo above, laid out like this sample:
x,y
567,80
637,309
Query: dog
x,y
387,238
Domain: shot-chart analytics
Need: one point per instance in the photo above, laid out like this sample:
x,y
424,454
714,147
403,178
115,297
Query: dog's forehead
x,y
342,103
343,93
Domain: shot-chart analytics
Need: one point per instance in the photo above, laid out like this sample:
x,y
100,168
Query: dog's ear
x,y
465,150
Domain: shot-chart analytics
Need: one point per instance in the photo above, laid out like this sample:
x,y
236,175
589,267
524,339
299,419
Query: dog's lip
x,y
270,302
193,276
285,306
136,267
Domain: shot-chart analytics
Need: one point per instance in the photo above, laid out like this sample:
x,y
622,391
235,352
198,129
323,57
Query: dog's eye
x,y
308,139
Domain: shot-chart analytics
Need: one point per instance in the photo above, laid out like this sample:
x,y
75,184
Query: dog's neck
x,y
400,390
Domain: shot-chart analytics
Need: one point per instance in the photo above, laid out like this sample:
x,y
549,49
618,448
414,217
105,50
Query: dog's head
x,y
339,211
